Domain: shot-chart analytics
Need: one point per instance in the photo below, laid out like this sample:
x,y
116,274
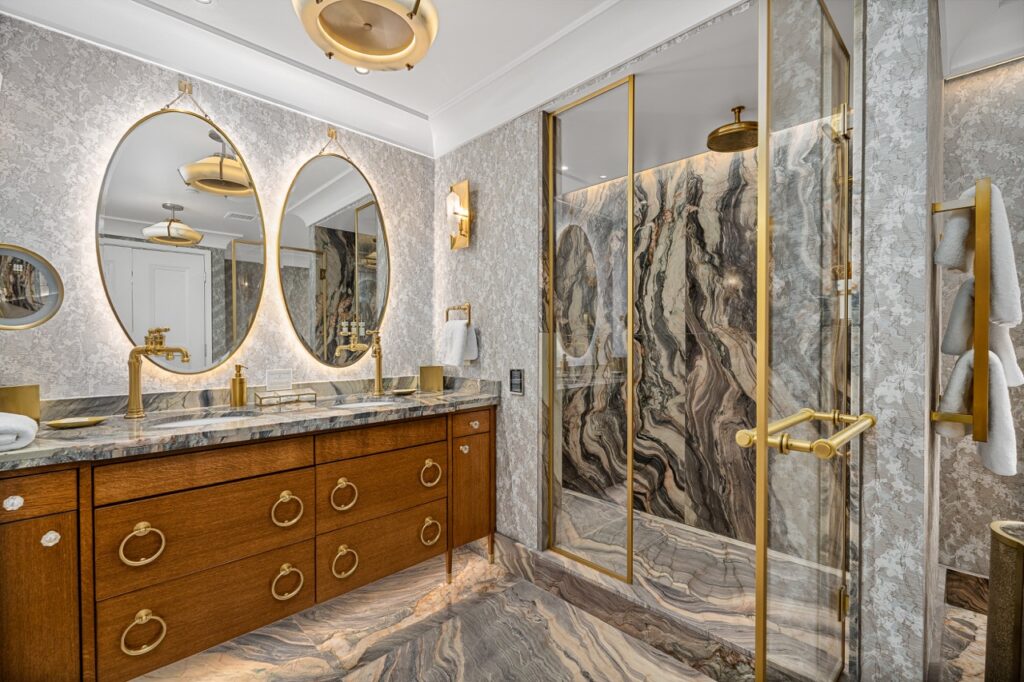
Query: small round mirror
x,y
576,291
333,259
30,288
180,238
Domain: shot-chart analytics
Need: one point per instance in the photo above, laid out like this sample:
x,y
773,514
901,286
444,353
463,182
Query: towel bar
x,y
981,205
465,308
822,448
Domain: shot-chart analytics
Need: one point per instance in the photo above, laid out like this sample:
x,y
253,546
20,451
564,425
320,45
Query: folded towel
x,y
999,454
954,252
959,335
16,430
458,343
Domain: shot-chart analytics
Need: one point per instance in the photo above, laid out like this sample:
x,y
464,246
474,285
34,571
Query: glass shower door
x,y
806,420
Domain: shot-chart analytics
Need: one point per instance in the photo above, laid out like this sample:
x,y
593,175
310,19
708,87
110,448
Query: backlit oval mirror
x,y
30,288
333,259
180,238
576,291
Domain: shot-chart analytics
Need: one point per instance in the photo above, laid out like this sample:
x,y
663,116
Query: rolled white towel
x,y
959,335
999,454
16,431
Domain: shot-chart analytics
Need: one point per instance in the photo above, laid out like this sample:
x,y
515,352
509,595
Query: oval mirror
x,y
333,259
576,295
180,238
31,291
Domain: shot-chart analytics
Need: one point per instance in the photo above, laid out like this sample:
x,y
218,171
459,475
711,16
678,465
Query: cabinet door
x,y
39,637
471,488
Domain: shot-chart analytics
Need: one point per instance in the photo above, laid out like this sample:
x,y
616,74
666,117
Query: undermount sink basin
x,y
367,403
203,421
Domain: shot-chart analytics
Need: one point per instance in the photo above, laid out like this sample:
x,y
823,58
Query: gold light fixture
x,y
458,214
375,35
221,173
737,136
172,232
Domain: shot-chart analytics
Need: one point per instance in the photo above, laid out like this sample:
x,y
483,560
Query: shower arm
x,y
823,448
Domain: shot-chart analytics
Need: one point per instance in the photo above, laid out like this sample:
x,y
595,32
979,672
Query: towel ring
x,y
465,308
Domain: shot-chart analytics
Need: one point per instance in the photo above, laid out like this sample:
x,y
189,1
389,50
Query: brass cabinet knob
x,y
475,424
141,529
427,466
342,551
427,523
342,484
286,569
464,449
141,618
285,497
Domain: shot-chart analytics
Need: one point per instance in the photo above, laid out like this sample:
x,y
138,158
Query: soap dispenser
x,y
239,388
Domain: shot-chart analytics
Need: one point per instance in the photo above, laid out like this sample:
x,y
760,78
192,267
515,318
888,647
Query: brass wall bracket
x,y
822,448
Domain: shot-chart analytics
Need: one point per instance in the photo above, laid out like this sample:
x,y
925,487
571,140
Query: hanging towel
x,y
472,350
458,343
16,431
959,335
954,252
999,454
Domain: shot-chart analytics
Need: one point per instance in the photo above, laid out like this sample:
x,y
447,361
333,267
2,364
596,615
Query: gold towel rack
x,y
981,205
464,308
822,448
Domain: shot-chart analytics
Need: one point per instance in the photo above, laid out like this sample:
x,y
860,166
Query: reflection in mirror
x,y
333,259
180,238
30,289
575,291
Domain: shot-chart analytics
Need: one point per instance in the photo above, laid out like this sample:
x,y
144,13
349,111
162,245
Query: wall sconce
x,y
459,216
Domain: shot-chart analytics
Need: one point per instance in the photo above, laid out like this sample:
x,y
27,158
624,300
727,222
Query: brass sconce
x,y
459,216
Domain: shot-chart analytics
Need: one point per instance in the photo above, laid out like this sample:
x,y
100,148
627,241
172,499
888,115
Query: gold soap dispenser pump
x,y
239,388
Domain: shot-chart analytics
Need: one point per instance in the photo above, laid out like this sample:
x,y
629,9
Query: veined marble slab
x,y
119,437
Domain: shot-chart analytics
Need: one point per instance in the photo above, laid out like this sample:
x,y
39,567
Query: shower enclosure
x,y
701,309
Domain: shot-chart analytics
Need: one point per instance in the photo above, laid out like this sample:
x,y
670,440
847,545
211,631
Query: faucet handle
x,y
155,336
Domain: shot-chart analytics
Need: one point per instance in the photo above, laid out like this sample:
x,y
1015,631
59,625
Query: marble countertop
x,y
119,437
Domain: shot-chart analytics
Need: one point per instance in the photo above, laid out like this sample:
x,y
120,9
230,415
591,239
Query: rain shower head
x,y
734,137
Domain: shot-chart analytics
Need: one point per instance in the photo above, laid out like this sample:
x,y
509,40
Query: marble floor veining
x,y
963,645
487,625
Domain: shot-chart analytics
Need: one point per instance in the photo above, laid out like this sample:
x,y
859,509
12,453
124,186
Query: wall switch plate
x,y
279,379
515,382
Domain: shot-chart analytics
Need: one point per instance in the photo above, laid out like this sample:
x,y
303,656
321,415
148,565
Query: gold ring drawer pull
x,y
342,551
342,484
464,449
286,496
141,618
286,569
141,529
475,424
430,521
427,465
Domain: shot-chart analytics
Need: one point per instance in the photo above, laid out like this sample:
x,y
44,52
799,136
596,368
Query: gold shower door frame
x,y
550,172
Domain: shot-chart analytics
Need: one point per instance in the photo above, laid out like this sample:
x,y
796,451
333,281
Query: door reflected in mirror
x,y
180,238
333,259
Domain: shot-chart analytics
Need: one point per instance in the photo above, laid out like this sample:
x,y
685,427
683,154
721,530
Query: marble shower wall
x,y
984,136
55,142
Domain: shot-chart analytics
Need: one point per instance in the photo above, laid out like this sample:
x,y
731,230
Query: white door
x,y
117,271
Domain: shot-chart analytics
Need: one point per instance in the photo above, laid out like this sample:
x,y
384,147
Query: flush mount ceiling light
x,y
379,35
221,173
172,232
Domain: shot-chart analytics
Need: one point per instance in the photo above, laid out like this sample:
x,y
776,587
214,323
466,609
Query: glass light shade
x,y
217,174
172,232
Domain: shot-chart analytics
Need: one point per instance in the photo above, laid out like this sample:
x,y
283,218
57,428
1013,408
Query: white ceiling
x,y
492,61
980,33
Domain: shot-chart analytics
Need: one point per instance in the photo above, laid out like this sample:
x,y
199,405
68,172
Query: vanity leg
x,y
490,548
448,566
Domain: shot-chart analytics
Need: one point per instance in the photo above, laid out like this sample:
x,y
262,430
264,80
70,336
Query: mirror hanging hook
x,y
185,91
332,138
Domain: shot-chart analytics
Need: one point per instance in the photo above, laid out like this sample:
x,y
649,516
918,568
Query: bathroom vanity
x,y
124,559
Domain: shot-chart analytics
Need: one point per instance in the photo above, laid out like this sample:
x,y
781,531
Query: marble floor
x,y
963,645
487,625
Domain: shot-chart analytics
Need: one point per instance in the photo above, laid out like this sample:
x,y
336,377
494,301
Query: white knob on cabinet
x,y
475,424
14,503
50,538
464,449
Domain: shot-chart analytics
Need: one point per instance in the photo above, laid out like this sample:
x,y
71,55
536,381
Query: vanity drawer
x,y
25,497
201,610
199,529
368,551
145,478
468,423
356,490
368,440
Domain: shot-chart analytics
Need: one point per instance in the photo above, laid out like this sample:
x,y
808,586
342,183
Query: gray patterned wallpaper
x,y
984,136
55,142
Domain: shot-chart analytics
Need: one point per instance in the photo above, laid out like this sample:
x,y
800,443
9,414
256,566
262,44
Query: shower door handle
x,y
822,448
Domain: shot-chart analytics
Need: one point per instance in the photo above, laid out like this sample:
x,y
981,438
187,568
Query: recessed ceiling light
x,y
362,70
604,177
564,168
205,2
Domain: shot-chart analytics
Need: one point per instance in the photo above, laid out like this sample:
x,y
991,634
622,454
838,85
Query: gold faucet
x,y
375,350
154,345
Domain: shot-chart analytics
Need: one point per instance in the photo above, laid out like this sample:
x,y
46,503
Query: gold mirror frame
x,y
280,238
57,281
263,228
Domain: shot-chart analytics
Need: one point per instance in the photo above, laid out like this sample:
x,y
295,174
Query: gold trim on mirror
x,y
57,281
235,344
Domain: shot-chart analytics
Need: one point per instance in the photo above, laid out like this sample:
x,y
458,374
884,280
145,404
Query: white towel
x,y
458,343
959,335
999,454
954,252
16,431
